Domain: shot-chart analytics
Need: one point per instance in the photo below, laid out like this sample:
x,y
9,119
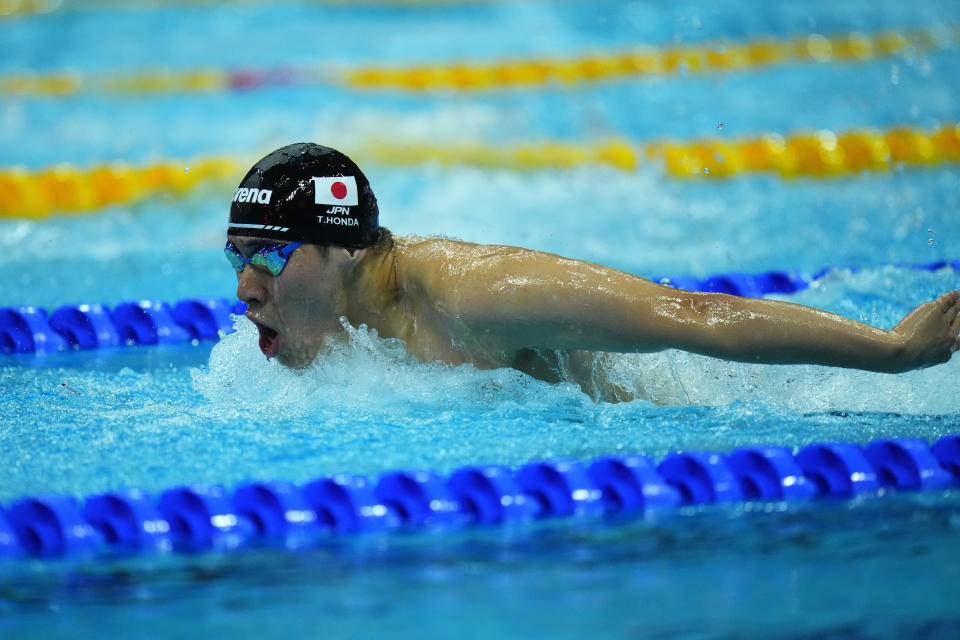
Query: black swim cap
x,y
308,193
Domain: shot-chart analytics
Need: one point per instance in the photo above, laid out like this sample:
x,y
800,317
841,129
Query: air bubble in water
x,y
719,126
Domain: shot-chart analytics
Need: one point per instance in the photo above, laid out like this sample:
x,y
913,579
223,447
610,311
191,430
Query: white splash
x,y
365,372
677,377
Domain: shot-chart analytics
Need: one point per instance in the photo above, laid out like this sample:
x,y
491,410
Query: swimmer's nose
x,y
250,287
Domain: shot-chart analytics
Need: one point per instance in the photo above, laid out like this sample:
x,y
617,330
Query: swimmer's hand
x,y
928,335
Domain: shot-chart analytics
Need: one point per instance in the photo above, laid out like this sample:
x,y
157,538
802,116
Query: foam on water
x,y
684,378
363,374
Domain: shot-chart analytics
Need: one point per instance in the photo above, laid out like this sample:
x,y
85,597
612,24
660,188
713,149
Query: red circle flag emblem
x,y
339,191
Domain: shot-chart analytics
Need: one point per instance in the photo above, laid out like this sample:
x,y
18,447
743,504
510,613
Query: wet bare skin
x,y
498,306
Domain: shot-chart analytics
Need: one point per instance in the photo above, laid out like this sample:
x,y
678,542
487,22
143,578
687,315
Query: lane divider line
x,y
281,514
802,154
517,74
65,188
711,57
821,154
818,154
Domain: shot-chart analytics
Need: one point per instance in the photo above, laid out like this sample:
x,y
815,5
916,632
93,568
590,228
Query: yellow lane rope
x,y
507,74
26,7
524,157
820,154
651,61
69,189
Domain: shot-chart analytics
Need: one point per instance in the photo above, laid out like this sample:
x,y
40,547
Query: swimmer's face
x,y
297,310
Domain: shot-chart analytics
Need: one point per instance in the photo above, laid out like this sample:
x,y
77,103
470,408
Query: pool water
x,y
155,417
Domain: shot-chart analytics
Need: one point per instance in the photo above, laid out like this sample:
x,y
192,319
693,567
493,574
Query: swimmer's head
x,y
306,192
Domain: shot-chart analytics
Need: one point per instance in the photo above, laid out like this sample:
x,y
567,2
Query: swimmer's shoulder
x,y
440,258
444,256
454,253
449,271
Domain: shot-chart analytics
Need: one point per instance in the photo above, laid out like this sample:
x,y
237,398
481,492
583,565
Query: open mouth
x,y
269,342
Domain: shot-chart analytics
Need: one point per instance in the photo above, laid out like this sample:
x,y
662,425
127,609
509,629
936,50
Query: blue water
x,y
79,423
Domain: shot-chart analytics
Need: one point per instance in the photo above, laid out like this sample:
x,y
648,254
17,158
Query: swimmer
x,y
305,240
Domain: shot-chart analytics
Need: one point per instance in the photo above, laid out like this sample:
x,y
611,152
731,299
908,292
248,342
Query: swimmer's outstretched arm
x,y
536,300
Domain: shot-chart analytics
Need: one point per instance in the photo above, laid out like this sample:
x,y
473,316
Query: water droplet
x,y
186,169
719,126
706,170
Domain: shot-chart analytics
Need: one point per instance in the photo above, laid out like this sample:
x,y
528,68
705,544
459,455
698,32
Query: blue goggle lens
x,y
273,258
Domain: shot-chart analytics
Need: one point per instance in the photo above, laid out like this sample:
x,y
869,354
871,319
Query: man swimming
x,y
305,240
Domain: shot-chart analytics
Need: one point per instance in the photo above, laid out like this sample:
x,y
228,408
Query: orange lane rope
x,y
821,154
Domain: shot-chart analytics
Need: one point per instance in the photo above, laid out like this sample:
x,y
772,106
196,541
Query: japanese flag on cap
x,y
306,192
336,190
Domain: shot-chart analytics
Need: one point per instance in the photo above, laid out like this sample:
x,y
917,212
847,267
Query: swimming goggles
x,y
273,258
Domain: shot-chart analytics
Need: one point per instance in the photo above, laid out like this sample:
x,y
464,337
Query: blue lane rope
x,y
279,514
29,329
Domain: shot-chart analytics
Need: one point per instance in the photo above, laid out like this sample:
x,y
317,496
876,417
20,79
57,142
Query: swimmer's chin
x,y
303,354
297,361
299,358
